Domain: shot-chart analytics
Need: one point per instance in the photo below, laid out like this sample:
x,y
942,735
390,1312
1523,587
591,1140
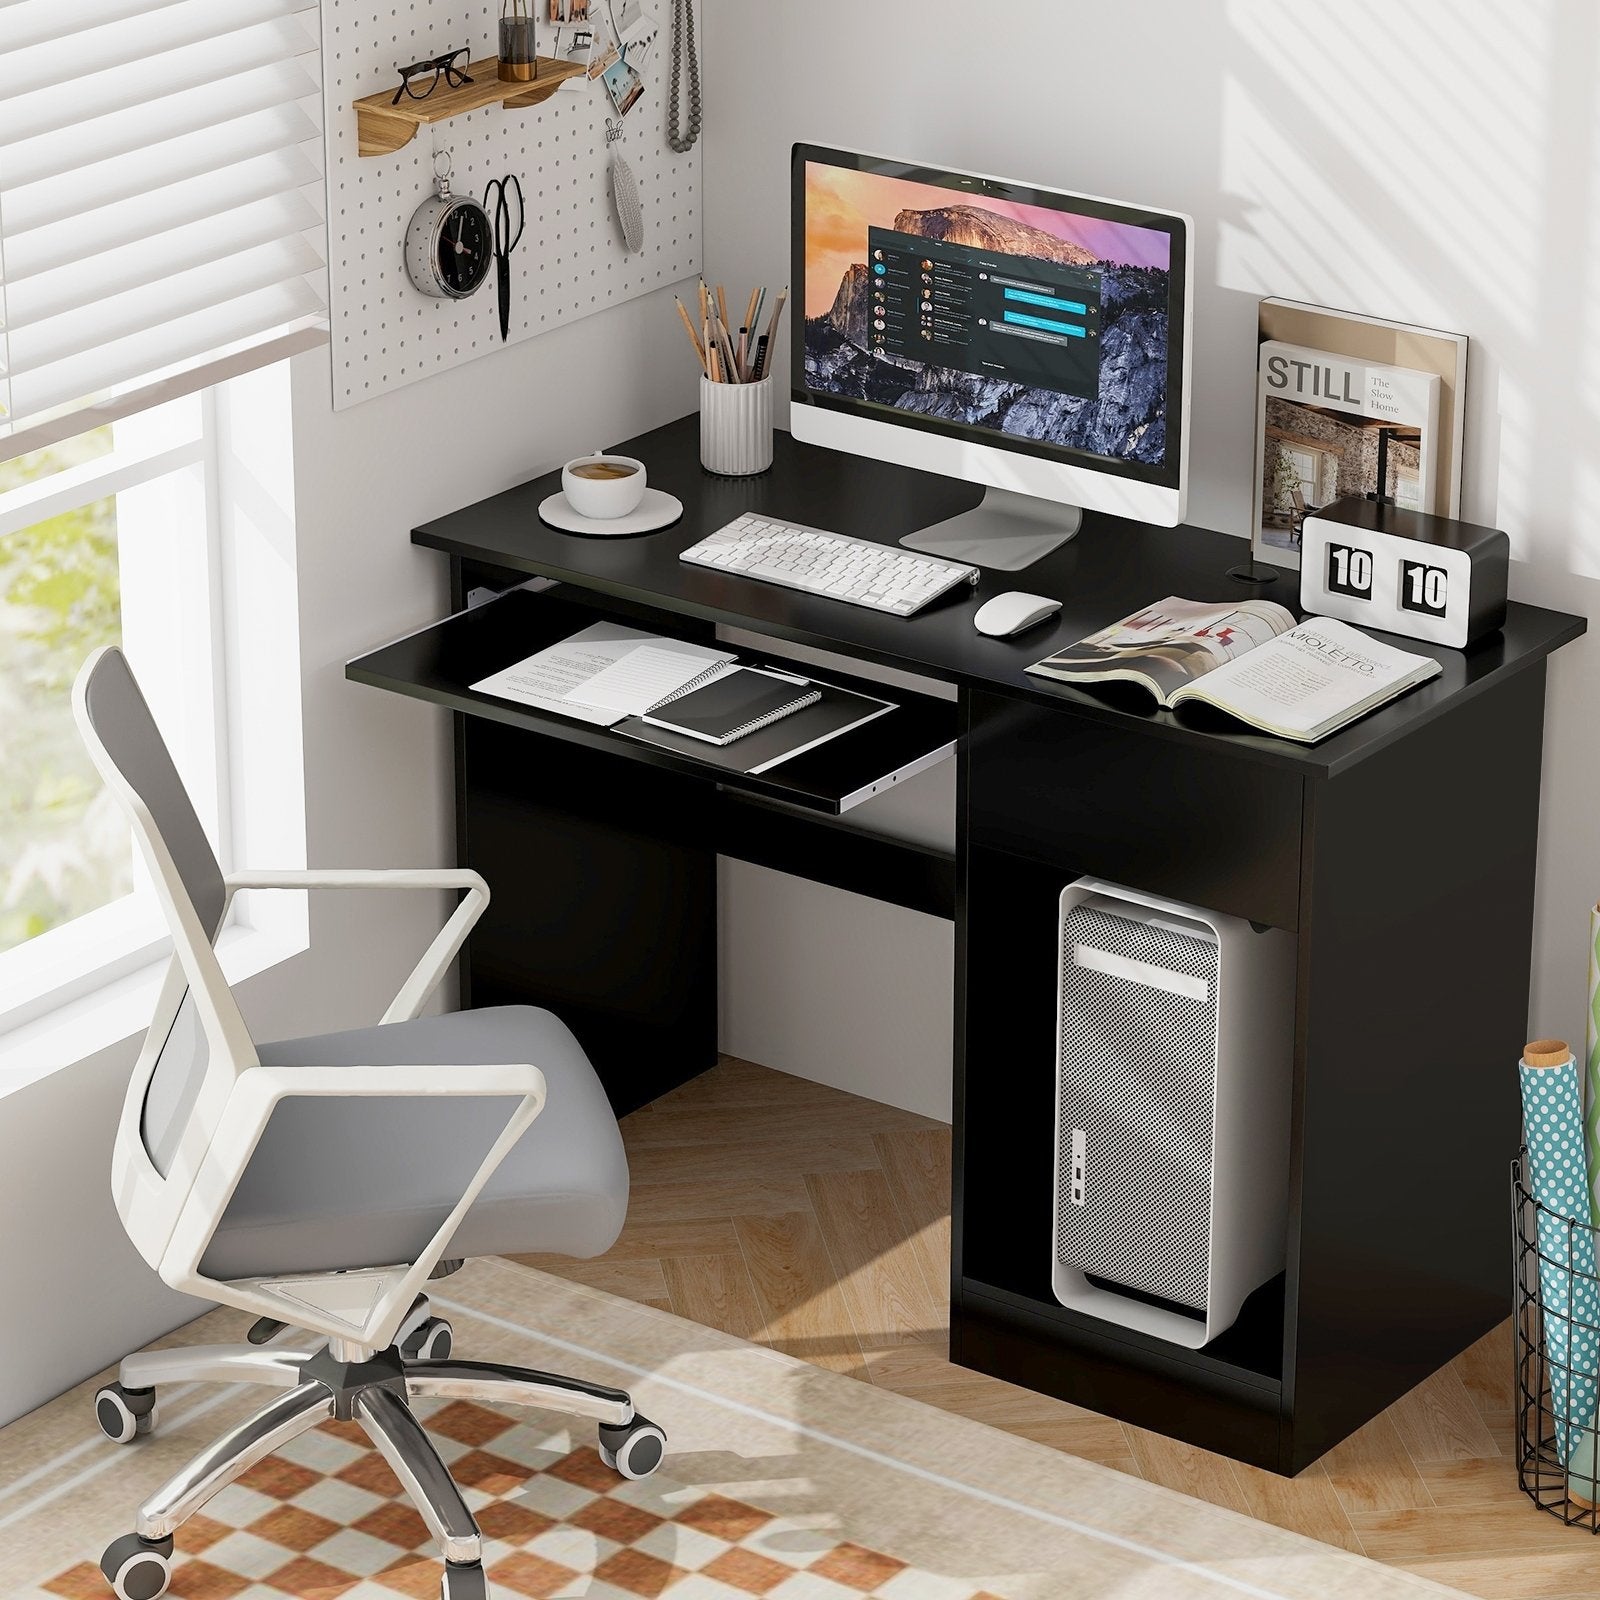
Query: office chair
x,y
320,1182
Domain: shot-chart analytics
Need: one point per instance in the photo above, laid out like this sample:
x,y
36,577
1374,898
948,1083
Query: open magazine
x,y
1251,660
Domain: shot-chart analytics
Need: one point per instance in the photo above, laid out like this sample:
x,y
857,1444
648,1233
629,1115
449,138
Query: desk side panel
x,y
1415,951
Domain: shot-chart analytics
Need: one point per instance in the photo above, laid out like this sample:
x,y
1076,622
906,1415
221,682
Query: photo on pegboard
x,y
580,252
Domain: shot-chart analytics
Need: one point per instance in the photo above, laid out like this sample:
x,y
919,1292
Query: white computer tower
x,y
1173,1065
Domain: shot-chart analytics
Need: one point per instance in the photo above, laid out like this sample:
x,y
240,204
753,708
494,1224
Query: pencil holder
x,y
736,427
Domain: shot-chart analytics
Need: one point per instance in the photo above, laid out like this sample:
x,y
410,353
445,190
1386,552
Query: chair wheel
x,y
138,1569
430,1340
124,1414
635,1449
463,1582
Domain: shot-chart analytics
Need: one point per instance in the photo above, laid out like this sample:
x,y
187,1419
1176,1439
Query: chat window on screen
x,y
1013,318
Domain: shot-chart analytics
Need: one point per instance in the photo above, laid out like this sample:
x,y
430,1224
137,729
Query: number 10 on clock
x,y
1350,571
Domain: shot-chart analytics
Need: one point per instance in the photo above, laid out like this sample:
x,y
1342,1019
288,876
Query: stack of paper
x,y
605,673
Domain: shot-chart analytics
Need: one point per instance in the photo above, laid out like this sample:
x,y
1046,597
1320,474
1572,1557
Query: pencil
x,y
777,314
725,350
750,307
705,306
759,371
722,306
688,328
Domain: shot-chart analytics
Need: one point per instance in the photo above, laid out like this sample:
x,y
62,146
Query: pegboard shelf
x,y
383,128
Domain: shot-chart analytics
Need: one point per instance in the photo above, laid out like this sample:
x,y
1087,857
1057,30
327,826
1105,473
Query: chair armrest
x,y
357,878
435,961
257,1091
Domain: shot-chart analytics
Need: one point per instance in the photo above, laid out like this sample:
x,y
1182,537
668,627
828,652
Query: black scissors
x,y
498,202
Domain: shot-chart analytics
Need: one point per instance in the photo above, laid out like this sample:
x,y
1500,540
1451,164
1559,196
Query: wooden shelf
x,y
383,127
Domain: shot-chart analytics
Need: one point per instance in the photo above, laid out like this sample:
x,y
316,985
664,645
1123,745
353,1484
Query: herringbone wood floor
x,y
818,1223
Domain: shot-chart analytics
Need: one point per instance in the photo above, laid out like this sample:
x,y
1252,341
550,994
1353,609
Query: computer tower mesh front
x,y
1136,1088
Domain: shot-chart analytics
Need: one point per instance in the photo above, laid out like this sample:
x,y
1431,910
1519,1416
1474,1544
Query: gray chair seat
x,y
338,1184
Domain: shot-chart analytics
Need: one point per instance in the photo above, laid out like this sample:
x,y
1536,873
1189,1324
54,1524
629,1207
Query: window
x,y
106,538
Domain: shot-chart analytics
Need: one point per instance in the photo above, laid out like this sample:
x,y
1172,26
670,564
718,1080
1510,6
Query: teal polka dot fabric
x,y
1552,1114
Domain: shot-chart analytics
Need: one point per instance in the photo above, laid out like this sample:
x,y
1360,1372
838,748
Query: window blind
x,y
161,200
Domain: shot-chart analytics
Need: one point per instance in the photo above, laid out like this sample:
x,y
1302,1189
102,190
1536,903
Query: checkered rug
x,y
326,1517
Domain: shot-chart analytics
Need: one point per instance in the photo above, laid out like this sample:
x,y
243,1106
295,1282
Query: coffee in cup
x,y
603,486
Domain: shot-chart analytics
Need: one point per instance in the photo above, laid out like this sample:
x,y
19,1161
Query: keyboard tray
x,y
439,664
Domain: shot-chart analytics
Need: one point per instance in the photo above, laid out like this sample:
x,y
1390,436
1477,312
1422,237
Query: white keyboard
x,y
856,571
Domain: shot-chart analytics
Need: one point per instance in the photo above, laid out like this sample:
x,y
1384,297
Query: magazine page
x,y
1312,680
1167,645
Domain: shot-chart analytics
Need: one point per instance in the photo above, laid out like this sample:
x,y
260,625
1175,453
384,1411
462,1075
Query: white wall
x,y
1435,163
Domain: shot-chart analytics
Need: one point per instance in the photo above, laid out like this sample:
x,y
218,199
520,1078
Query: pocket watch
x,y
449,243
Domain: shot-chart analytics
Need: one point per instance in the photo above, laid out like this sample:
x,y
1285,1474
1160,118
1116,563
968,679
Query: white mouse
x,y
1013,612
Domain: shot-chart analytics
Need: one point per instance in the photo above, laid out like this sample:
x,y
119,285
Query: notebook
x,y
735,703
838,712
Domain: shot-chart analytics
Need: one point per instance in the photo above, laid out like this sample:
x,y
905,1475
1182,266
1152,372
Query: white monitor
x,y
1031,340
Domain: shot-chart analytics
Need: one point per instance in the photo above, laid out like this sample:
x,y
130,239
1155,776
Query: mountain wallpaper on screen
x,y
1126,420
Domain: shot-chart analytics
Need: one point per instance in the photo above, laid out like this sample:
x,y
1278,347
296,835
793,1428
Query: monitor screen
x,y
1019,317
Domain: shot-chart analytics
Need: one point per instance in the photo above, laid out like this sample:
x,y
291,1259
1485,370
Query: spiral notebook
x,y
734,703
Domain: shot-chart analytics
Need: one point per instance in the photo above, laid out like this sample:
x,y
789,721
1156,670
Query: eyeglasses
x,y
440,66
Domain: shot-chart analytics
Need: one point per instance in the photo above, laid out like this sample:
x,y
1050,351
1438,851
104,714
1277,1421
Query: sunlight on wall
x,y
1437,167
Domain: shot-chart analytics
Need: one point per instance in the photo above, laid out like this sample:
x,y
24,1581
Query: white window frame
x,y
179,472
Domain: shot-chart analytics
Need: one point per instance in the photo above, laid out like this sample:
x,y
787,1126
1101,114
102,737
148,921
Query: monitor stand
x,y
1005,530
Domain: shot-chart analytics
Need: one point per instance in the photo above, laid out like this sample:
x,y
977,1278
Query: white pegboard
x,y
571,261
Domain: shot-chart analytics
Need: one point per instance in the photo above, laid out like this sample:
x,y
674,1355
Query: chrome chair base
x,y
324,1380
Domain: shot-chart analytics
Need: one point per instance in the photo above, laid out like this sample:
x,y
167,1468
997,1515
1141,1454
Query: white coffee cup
x,y
603,486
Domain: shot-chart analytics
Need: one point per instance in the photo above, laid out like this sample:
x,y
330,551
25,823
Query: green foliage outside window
x,y
64,849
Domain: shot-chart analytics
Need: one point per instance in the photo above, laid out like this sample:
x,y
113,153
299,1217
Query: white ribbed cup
x,y
736,427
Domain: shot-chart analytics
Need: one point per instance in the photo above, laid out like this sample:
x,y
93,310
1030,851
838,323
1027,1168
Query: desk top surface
x,y
1111,568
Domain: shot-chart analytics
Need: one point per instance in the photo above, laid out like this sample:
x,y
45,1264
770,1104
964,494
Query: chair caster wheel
x,y
124,1414
635,1449
430,1340
463,1582
137,1569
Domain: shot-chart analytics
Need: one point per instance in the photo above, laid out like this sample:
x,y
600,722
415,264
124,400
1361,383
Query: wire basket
x,y
1557,1443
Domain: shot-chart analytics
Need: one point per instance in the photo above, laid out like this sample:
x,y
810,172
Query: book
x,y
836,712
1250,660
733,705
1351,405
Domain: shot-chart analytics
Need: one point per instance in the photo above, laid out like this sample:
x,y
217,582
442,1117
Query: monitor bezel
x,y
1169,475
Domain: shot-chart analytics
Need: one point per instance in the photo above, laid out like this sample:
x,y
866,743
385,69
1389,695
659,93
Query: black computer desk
x,y
1400,853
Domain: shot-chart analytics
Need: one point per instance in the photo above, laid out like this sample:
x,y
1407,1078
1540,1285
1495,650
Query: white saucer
x,y
656,510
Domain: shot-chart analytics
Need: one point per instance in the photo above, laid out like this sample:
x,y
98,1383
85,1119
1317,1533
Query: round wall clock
x,y
449,244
